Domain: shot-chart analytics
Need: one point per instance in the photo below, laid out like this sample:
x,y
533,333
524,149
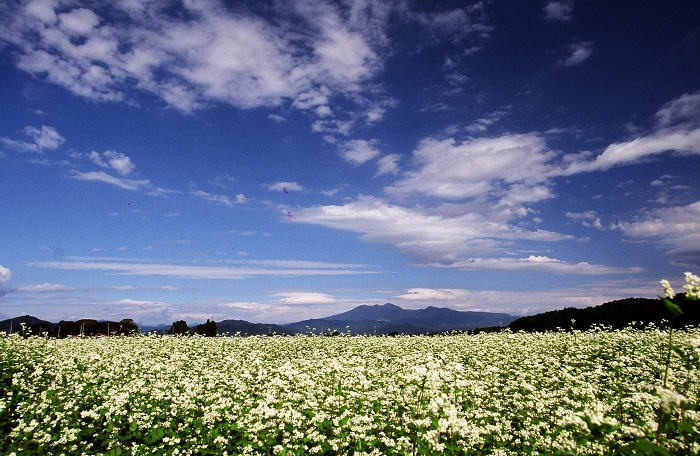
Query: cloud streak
x,y
282,269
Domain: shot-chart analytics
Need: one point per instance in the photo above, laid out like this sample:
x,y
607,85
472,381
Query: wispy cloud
x,y
284,269
388,164
280,186
445,237
312,53
559,11
578,53
101,176
117,161
481,196
359,151
304,298
535,263
43,288
42,138
677,228
222,200
589,219
677,130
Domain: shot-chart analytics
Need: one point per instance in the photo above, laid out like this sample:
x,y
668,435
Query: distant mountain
x,y
14,324
615,314
246,328
390,318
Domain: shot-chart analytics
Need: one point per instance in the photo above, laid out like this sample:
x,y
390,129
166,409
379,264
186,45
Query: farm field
x,y
593,392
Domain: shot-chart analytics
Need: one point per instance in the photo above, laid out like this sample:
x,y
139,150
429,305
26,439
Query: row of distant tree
x,y
94,328
84,327
615,314
180,327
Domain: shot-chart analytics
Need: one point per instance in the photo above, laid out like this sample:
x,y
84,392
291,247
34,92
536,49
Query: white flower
x,y
670,398
667,289
692,286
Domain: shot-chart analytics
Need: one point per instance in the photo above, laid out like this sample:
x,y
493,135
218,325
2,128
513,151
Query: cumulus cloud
x,y
5,274
451,170
359,151
114,160
313,56
41,138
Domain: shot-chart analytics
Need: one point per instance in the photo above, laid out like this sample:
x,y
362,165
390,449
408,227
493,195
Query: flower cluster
x,y
691,287
503,393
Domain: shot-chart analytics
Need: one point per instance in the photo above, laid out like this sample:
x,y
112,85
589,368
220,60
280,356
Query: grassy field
x,y
593,392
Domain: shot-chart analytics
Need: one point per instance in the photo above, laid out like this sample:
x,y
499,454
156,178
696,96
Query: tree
x,y
207,329
179,327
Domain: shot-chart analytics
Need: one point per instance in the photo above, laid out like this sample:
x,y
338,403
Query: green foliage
x,y
207,329
615,315
179,328
592,392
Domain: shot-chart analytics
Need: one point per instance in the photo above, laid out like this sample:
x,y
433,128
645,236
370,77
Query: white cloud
x,y
684,111
137,267
678,228
41,139
589,219
482,124
388,164
276,118
290,186
114,160
44,288
578,53
78,22
444,236
215,54
677,130
359,151
101,176
315,56
538,263
527,302
222,200
559,11
304,298
5,274
454,171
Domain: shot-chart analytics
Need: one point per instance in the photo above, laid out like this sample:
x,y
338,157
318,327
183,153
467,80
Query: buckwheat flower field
x,y
592,392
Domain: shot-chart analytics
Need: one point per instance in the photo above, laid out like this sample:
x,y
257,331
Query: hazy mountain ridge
x,y
382,319
389,318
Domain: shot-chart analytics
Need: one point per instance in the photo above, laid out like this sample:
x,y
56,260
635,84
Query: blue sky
x,y
276,161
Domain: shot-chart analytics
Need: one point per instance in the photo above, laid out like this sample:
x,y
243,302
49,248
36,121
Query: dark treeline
x,y
180,328
615,314
64,328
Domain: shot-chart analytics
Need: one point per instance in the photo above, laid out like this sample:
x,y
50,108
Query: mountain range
x,y
377,319
392,319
